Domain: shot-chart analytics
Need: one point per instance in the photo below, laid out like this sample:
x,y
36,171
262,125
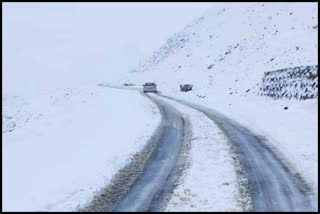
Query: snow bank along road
x,y
273,184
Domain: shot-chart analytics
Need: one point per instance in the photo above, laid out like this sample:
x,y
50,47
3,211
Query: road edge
x,y
107,198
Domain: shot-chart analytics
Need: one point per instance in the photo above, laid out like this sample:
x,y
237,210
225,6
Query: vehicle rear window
x,y
150,84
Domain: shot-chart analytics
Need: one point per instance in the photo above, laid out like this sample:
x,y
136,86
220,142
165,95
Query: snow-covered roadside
x,y
294,132
58,161
210,184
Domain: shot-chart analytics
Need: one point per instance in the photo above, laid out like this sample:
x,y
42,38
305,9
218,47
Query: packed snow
x,y
65,148
210,183
294,131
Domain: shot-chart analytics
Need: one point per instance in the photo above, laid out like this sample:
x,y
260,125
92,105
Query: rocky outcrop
x,y
298,82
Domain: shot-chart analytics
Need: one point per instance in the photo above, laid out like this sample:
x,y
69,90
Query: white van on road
x,y
149,87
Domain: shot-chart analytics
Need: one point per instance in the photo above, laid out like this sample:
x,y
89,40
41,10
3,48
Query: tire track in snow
x,y
274,185
144,183
155,176
212,181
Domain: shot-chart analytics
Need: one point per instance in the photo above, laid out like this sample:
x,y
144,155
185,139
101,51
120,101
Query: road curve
x,y
142,195
274,185
147,180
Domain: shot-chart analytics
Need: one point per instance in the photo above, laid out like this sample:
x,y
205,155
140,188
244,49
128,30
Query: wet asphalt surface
x,y
274,185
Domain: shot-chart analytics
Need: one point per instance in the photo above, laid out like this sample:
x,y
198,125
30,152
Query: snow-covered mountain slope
x,y
20,110
226,53
69,144
232,45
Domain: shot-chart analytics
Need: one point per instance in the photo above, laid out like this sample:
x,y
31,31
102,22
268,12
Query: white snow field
x,y
210,182
66,147
60,147
226,52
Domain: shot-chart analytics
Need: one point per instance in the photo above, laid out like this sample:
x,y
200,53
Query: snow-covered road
x,y
148,187
153,171
197,159
274,184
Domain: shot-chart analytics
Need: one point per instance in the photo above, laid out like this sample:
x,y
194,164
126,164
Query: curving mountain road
x,y
273,184
144,183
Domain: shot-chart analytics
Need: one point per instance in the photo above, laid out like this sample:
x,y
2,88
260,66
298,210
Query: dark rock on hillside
x,y
210,66
297,82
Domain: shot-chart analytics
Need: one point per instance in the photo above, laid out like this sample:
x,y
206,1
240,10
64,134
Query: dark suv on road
x,y
186,87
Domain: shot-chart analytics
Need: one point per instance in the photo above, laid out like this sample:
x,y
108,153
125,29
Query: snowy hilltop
x,y
228,49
